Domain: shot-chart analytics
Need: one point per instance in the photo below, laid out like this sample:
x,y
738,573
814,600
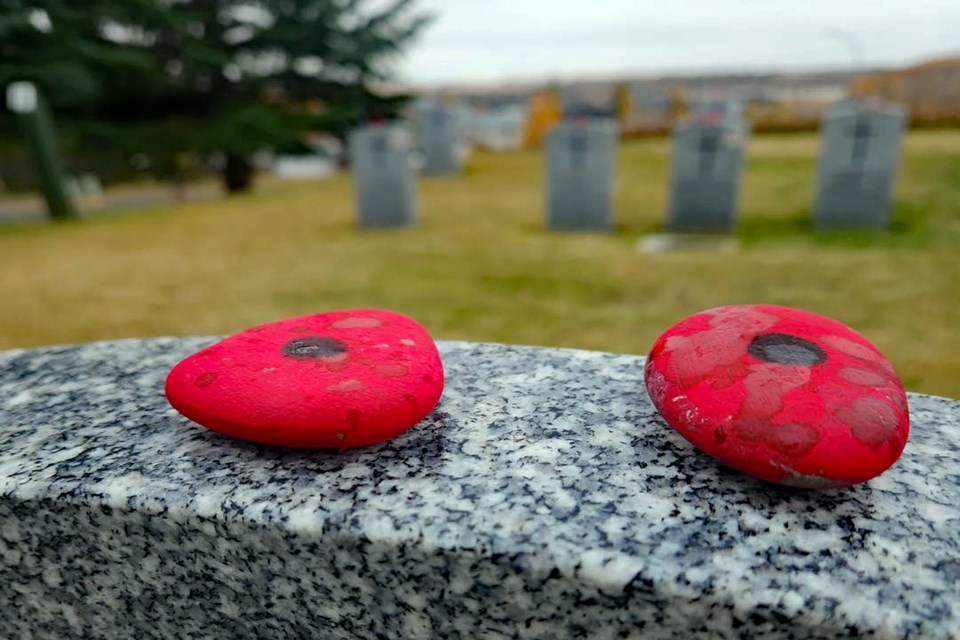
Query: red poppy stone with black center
x,y
334,380
781,394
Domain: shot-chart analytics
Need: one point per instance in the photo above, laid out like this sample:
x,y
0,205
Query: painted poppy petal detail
x,y
782,394
333,380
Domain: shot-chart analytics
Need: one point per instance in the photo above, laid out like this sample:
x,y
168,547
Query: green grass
x,y
482,267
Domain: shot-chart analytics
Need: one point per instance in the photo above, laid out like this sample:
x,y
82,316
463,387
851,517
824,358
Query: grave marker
x,y
383,175
580,169
440,138
860,148
110,531
705,172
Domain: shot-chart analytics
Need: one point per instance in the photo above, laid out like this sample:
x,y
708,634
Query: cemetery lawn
x,y
482,267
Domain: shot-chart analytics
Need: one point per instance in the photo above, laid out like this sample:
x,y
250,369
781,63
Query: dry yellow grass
x,y
481,266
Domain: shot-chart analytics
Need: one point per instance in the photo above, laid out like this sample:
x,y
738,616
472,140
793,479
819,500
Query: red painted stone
x,y
781,394
333,380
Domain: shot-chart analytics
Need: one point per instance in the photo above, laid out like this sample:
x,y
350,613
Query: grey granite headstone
x,y
860,149
440,137
543,498
384,181
707,161
581,158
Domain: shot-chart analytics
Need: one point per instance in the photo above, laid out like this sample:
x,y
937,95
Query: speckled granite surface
x,y
543,499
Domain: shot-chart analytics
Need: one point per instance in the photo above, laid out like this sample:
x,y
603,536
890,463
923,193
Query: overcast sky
x,y
493,40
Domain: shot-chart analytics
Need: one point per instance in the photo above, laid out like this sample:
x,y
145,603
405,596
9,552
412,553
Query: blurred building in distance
x,y
587,100
771,101
794,101
648,106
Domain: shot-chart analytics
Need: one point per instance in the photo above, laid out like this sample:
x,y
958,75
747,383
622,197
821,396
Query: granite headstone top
x,y
860,151
383,175
581,161
543,498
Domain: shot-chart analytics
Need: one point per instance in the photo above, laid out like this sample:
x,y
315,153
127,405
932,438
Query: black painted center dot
x,y
782,348
313,347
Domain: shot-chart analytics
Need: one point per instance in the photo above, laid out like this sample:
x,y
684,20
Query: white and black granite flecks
x,y
543,498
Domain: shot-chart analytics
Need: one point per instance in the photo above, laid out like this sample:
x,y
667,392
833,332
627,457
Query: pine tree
x,y
165,77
